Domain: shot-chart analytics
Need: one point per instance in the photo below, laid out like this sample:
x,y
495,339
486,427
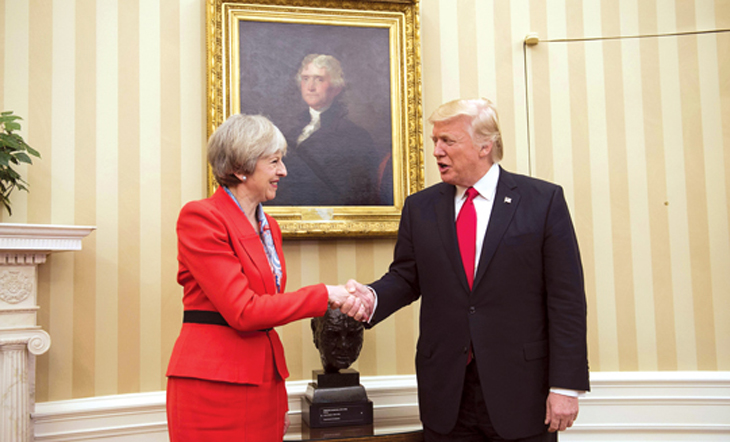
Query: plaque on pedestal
x,y
336,399
336,414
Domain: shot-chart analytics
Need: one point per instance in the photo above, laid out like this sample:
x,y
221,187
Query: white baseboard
x,y
626,407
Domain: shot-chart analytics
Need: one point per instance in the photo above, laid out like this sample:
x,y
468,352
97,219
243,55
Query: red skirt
x,y
210,411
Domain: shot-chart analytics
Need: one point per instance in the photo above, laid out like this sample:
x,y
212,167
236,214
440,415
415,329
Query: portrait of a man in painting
x,y
331,160
327,89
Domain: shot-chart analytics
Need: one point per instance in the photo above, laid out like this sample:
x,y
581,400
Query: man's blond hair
x,y
484,127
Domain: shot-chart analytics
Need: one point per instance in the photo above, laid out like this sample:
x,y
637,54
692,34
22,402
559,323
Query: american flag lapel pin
x,y
508,200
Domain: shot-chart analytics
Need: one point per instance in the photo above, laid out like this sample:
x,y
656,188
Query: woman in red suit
x,y
227,369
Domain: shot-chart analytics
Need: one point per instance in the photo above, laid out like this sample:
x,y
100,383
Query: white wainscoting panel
x,y
654,406
138,417
625,407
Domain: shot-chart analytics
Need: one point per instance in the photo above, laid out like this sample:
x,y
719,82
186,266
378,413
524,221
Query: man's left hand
x,y
561,411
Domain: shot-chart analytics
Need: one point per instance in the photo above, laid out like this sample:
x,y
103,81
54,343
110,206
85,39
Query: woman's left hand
x,y
287,422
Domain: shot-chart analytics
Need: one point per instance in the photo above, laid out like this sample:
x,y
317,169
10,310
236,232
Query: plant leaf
x,y
13,175
9,141
22,157
32,151
6,204
6,118
13,151
11,126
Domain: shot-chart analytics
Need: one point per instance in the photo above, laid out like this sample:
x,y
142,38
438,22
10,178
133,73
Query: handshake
x,y
353,299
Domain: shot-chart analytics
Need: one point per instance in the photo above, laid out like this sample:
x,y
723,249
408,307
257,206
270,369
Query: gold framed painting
x,y
342,81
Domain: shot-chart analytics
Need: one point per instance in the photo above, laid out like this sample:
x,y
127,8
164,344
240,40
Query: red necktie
x,y
466,231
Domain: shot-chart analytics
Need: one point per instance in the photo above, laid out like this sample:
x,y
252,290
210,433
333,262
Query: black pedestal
x,y
336,400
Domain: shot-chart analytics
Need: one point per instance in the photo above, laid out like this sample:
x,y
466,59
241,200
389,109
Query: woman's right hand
x,y
352,304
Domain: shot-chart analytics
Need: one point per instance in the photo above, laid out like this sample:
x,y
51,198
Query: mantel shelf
x,y
42,237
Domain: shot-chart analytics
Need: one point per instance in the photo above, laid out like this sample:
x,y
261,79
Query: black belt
x,y
208,317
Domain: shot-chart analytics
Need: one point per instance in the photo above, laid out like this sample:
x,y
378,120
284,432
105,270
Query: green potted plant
x,y
13,151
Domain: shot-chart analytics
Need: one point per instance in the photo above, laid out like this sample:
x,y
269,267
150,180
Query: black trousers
x,y
473,423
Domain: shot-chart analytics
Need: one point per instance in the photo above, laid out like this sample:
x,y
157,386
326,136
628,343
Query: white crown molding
x,y
42,237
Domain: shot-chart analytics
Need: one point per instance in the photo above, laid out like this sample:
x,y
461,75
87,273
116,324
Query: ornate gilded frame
x,y
401,18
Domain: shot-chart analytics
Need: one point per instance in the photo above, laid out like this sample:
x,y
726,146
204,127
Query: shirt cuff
x,y
566,392
375,304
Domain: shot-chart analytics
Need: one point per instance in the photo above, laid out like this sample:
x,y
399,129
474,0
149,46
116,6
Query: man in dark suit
x,y
494,259
331,160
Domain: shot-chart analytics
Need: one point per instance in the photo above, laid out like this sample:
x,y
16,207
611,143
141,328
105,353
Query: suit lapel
x,y
247,237
505,205
445,217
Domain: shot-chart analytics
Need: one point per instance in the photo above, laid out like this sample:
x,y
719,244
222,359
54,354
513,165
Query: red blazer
x,y
223,268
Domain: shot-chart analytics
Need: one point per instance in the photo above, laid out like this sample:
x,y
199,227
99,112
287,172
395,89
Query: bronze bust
x,y
338,338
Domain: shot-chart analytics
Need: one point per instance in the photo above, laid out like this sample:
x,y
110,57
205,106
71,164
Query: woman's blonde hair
x,y
238,143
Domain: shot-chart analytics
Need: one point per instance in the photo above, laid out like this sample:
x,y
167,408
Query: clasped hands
x,y
353,299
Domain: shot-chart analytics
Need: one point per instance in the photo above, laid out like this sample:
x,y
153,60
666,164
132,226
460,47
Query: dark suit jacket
x,y
337,165
223,268
526,314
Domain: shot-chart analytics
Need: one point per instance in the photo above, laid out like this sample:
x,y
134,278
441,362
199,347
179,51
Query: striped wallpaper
x,y
632,127
637,130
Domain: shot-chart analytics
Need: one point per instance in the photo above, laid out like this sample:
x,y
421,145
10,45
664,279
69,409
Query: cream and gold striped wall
x,y
637,130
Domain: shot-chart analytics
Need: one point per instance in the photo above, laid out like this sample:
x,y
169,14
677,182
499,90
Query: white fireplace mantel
x,y
22,248
41,238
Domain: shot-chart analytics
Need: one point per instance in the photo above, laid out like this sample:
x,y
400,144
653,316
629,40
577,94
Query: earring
x,y
245,178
